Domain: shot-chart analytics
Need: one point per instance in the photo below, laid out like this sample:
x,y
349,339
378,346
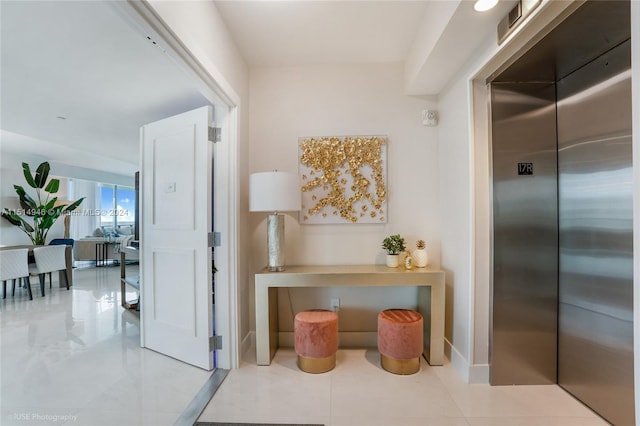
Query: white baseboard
x,y
479,374
472,374
248,346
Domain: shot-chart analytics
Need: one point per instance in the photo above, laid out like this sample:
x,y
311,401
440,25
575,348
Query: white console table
x,y
430,283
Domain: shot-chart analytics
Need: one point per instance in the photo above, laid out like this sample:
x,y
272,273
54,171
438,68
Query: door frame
x,y
141,16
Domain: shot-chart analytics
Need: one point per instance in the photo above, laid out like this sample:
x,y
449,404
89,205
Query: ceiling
x,y
80,79
433,37
77,77
290,33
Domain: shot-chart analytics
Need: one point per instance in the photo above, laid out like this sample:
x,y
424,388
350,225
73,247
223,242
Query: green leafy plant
x,y
394,244
42,208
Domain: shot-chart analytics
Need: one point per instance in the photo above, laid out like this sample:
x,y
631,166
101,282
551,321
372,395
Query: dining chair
x,y
63,242
14,264
49,259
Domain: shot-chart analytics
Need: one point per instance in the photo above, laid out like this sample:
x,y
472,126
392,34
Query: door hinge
x,y
215,134
214,239
215,343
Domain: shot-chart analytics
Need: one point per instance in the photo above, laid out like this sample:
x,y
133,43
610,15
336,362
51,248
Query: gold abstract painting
x,y
343,179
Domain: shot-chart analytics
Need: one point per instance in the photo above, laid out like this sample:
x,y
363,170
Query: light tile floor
x,y
359,392
74,357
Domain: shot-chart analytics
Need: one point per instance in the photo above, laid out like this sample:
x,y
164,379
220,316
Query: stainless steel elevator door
x,y
525,242
595,339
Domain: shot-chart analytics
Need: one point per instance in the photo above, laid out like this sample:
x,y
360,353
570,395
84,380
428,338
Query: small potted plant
x,y
393,245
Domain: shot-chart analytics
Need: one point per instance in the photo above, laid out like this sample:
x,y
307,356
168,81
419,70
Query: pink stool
x,y
400,340
316,340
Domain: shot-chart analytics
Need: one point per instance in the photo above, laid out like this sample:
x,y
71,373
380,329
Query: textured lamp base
x,y
400,366
275,268
275,242
316,365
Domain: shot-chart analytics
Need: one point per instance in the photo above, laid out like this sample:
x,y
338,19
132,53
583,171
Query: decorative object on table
x,y
420,256
44,209
408,260
274,192
393,245
343,179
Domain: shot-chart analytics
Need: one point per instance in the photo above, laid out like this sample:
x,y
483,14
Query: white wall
x,y
288,103
72,168
454,209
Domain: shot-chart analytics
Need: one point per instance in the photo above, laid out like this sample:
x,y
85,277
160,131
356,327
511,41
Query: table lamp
x,y
274,192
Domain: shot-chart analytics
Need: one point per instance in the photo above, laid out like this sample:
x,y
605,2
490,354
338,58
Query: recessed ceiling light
x,y
484,5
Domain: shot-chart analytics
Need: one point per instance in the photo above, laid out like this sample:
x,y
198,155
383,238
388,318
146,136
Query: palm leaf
x,y
52,186
17,221
74,205
50,204
26,202
42,173
9,216
27,175
47,222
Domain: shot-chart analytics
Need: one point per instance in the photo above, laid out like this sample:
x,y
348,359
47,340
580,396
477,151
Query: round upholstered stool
x,y
400,340
316,340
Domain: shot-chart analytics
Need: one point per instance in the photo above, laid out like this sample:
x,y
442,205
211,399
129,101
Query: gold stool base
x,y
400,366
316,365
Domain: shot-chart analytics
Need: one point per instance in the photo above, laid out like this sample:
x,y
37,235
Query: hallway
x,y
73,357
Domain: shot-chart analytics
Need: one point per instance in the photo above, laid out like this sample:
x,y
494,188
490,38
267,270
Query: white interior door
x,y
175,260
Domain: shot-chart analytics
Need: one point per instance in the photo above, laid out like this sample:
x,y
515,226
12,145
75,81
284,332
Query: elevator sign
x,y
525,169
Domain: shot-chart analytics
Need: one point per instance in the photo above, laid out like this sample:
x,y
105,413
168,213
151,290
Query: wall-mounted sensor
x,y
430,117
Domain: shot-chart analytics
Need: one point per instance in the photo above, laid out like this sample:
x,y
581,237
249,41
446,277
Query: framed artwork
x,y
344,179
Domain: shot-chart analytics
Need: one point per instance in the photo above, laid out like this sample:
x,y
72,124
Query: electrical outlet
x,y
335,304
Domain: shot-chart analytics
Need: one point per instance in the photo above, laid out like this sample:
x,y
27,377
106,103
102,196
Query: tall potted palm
x,y
42,209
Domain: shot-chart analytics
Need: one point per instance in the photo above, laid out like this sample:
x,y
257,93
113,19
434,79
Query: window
x,y
117,205
125,205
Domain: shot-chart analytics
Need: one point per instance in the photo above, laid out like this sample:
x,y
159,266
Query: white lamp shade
x,y
274,191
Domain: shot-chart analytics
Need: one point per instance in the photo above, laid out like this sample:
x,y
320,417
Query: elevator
x,y
562,284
